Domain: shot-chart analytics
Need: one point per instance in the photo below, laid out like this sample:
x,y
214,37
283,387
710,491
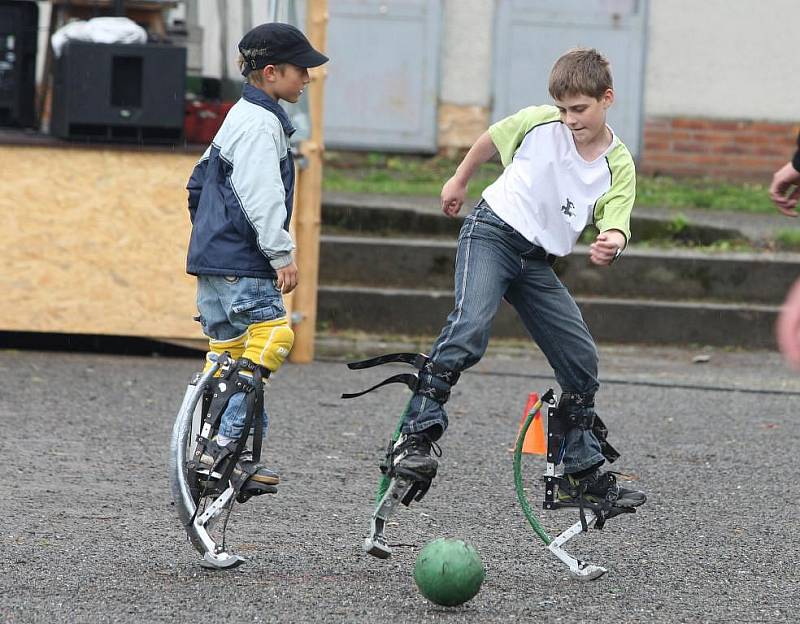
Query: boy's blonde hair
x,y
580,71
256,78
253,77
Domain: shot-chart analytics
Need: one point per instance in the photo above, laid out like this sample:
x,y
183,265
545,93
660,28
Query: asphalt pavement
x,y
89,533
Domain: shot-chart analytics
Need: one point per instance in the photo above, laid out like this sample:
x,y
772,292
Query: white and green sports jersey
x,y
548,192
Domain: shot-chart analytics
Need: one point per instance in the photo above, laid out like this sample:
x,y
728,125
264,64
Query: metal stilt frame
x,y
184,439
580,570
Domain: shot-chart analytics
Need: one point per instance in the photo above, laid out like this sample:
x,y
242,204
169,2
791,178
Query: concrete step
x,y
673,275
377,275
414,312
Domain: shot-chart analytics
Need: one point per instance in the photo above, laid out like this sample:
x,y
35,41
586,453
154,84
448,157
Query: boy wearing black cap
x,y
240,204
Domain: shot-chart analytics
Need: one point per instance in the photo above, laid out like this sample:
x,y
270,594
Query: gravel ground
x,y
89,533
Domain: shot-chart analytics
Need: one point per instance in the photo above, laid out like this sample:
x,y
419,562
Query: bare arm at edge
x,y
454,190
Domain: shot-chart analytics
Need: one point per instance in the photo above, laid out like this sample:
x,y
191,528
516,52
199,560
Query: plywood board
x,y
96,242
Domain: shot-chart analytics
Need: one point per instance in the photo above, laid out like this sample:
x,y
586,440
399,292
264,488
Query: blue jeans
x,y
493,262
227,306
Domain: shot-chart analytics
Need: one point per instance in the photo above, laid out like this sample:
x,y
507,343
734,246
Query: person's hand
x,y
287,278
787,329
453,194
781,192
605,246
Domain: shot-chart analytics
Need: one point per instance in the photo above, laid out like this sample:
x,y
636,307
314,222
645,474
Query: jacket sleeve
x,y
195,184
796,159
257,183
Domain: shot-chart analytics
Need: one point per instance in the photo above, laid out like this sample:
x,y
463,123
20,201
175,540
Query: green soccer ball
x,y
449,572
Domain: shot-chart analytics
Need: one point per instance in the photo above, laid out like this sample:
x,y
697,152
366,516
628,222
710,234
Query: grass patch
x,y
788,239
678,223
722,246
419,175
398,174
703,193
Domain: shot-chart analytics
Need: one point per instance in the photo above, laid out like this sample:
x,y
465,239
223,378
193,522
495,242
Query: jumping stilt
x,y
201,492
591,514
185,493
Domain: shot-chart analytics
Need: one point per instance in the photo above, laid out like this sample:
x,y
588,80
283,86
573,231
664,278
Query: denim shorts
x,y
227,306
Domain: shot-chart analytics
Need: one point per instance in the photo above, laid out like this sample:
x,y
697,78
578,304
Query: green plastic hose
x,y
523,499
383,484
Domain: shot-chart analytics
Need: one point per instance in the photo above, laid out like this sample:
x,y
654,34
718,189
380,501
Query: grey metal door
x,y
381,91
532,34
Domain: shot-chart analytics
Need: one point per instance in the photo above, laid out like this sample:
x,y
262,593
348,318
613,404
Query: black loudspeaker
x,y
18,41
116,92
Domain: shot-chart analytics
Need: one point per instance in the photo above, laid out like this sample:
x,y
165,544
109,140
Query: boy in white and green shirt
x,y
564,169
548,192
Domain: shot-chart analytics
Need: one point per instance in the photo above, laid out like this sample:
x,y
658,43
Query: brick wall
x,y
750,150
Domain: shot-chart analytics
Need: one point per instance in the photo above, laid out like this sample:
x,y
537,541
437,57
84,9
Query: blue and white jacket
x,y
240,193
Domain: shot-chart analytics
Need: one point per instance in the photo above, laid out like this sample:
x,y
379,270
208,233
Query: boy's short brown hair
x,y
580,71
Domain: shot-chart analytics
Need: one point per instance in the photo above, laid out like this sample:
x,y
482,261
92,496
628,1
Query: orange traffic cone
x,y
534,442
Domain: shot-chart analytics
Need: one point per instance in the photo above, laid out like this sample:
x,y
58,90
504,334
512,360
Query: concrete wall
x,y
467,52
466,63
723,59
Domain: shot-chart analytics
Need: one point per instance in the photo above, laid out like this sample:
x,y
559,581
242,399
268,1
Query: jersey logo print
x,y
569,208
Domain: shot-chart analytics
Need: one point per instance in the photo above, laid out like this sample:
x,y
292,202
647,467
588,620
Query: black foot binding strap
x,y
410,458
603,510
244,476
227,468
577,411
418,384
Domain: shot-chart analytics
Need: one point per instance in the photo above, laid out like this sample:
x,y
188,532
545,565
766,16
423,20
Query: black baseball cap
x,y
275,42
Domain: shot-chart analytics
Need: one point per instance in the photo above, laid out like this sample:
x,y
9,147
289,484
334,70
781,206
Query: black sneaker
x,y
215,458
598,487
410,457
